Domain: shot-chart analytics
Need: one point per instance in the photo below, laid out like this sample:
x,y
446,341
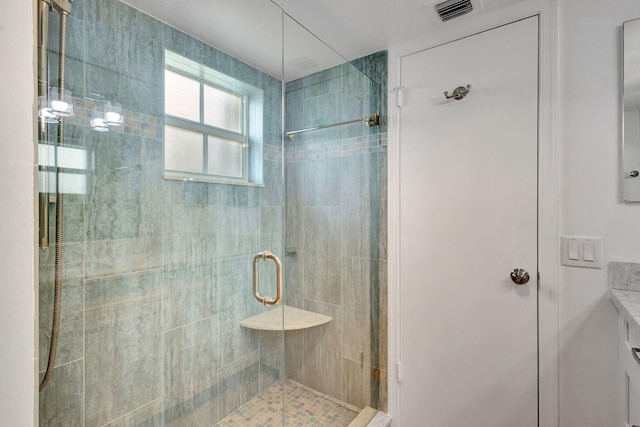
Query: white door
x,y
468,210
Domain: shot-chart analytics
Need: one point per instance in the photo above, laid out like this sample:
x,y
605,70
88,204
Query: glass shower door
x,y
335,230
157,261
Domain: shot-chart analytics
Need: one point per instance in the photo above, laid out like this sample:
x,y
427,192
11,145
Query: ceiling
x,y
252,30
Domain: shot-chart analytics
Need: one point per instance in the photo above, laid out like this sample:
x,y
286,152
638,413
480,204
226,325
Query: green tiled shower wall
x,y
157,273
335,231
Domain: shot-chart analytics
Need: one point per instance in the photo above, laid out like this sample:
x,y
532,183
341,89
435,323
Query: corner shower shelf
x,y
294,318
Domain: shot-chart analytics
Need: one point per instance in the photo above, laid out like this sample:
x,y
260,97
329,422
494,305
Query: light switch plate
x,y
594,250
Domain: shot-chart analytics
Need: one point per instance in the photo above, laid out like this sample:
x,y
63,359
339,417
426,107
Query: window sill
x,y
185,178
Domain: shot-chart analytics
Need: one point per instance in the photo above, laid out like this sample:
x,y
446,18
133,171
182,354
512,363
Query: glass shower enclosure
x,y
181,220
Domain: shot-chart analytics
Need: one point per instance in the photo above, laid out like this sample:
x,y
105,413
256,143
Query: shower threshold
x,y
303,407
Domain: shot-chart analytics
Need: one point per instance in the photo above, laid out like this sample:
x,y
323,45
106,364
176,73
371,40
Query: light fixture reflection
x,y
113,113
107,115
54,105
62,105
99,125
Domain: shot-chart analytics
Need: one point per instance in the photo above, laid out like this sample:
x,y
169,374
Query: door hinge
x,y
399,95
399,372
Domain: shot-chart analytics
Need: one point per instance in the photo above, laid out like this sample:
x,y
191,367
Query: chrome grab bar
x,y
268,301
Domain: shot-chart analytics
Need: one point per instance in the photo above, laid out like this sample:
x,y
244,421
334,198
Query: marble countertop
x,y
625,289
628,304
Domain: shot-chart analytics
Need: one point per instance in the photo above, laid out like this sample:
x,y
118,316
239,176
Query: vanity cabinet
x,y
630,369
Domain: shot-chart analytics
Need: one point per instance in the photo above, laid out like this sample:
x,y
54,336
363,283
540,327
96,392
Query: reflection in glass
x,y
631,118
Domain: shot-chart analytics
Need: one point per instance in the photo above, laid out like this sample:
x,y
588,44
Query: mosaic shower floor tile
x,y
303,407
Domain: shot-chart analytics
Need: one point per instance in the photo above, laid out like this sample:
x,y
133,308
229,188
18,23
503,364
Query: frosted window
x,y
225,157
183,150
181,96
222,109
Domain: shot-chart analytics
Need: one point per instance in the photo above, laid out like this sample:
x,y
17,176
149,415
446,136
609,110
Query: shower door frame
x,y
548,203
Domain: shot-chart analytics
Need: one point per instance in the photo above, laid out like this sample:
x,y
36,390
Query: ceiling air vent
x,y
453,8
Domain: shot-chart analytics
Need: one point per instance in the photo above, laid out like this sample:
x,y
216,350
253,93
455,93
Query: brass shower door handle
x,y
268,301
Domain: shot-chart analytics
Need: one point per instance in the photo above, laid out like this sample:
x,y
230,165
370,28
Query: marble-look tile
x,y
375,66
61,400
124,224
239,382
294,357
293,287
360,317
74,36
321,254
360,206
189,47
112,44
273,191
324,75
238,221
117,256
148,416
191,356
190,235
382,205
74,58
321,89
70,337
236,303
358,387
137,93
383,333
73,83
271,229
624,275
323,182
294,207
322,110
122,345
189,193
189,295
322,351
356,96
293,109
73,226
383,398
239,70
118,192
272,111
272,357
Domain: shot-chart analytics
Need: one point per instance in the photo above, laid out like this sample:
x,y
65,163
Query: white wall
x,y
17,254
589,135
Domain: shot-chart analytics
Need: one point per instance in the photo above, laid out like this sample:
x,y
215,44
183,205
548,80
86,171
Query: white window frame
x,y
251,123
